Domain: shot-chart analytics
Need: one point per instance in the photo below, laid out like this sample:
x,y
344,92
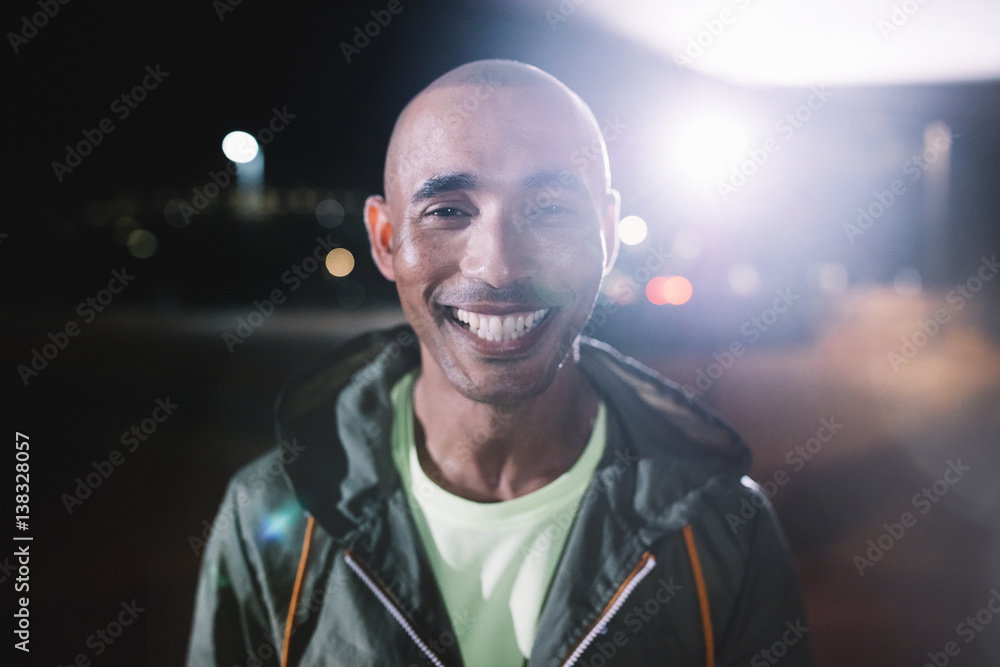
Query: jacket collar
x,y
340,415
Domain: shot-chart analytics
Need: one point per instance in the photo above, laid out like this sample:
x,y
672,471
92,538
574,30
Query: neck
x,y
488,453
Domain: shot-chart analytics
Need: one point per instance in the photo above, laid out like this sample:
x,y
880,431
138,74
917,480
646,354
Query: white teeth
x,y
499,327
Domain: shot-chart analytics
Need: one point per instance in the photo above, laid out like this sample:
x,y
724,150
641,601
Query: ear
x,y
379,228
609,229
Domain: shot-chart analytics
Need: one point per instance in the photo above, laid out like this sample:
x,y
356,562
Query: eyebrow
x,y
554,180
436,185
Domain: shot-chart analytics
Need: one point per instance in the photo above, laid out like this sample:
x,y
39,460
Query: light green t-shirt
x,y
493,561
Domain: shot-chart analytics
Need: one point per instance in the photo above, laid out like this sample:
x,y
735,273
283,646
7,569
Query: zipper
x,y
388,601
646,563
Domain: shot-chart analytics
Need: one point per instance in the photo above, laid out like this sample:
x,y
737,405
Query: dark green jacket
x,y
315,554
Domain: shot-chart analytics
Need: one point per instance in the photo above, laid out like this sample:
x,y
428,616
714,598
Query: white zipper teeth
x,y
396,613
610,613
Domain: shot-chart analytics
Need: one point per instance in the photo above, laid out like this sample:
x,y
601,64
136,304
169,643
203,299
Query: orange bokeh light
x,y
673,290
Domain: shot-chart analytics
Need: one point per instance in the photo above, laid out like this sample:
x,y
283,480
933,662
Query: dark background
x,y
135,537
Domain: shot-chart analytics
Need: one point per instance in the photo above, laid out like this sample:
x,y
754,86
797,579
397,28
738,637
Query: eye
x,y
552,214
446,212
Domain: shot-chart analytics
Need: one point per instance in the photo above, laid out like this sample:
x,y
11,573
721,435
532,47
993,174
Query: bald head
x,y
475,93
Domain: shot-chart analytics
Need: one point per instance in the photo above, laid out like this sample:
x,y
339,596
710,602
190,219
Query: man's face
x,y
500,236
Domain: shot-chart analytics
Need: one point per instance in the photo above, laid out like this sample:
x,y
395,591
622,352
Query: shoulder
x,y
657,415
359,361
260,489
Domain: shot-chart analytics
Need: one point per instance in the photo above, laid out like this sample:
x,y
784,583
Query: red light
x,y
655,290
675,290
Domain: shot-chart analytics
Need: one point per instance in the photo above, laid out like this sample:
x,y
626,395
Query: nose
x,y
499,249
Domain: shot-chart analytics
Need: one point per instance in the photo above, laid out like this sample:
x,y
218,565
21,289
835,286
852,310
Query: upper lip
x,y
498,308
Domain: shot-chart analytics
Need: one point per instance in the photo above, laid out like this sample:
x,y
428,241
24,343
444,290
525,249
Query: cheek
x,y
420,264
413,254
576,259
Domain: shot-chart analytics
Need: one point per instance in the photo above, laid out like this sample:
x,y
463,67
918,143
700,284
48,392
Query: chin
x,y
503,383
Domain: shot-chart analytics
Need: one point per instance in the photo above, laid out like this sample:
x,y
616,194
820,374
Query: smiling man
x,y
486,487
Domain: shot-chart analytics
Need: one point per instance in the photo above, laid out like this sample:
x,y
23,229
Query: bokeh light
x,y
632,230
832,277
339,262
141,243
329,213
240,147
669,290
743,279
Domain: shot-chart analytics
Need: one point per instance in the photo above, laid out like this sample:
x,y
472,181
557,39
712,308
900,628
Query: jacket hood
x,y
340,413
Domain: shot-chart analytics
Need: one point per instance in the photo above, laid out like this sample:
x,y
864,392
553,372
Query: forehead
x,y
498,133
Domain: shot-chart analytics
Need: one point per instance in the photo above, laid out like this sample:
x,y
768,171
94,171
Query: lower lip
x,y
505,348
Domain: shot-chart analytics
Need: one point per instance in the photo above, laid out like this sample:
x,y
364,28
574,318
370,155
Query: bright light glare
x,y
240,147
673,290
794,43
632,230
708,147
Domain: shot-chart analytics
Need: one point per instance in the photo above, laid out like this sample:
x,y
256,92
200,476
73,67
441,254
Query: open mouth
x,y
510,326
